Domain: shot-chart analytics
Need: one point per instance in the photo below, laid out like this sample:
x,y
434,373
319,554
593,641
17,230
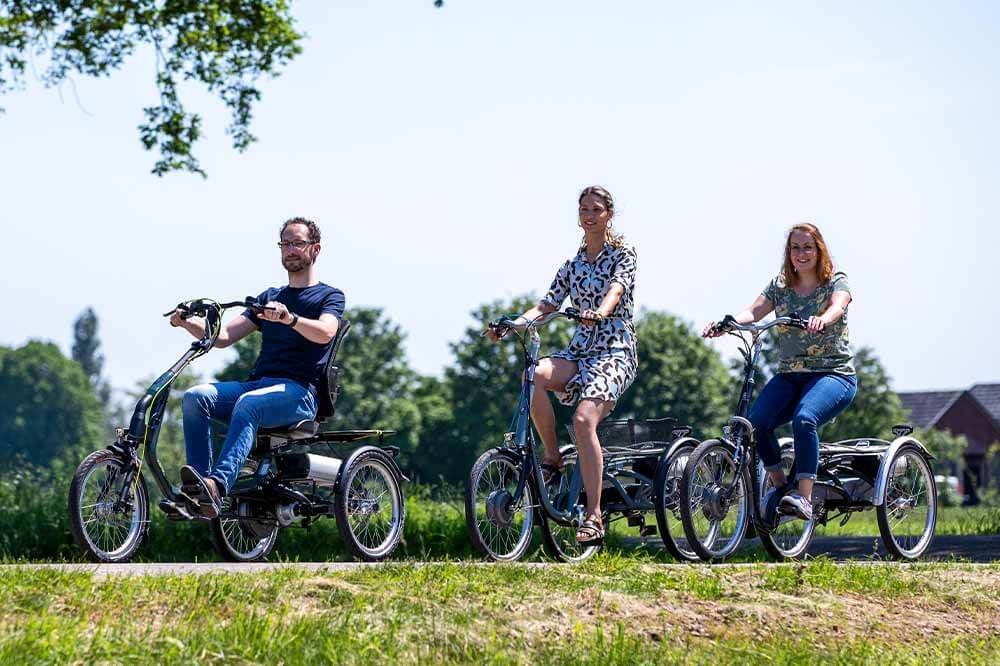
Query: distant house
x,y
973,412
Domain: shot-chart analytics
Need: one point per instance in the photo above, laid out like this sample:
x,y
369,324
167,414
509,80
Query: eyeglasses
x,y
298,245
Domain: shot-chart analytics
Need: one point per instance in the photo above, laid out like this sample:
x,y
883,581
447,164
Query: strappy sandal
x,y
551,473
590,533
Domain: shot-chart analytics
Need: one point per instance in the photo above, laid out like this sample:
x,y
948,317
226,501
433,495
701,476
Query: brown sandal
x,y
551,473
590,533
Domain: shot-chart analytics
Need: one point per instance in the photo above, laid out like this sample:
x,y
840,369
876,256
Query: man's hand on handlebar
x,y
275,311
815,324
178,317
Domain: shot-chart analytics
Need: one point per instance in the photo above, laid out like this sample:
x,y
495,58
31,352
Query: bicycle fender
x,y
375,451
882,479
679,442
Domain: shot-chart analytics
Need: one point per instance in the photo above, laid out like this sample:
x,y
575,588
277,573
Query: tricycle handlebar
x,y
199,307
507,323
729,323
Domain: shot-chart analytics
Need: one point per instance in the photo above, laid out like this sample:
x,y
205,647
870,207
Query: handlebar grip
x,y
797,320
724,325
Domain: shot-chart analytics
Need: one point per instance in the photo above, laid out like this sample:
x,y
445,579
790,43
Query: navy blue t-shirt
x,y
284,352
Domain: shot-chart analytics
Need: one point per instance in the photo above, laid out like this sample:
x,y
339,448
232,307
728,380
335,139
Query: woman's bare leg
x,y
588,414
550,375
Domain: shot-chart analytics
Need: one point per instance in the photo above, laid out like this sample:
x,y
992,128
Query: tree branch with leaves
x,y
225,45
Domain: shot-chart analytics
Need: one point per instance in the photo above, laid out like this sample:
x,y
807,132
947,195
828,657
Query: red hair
x,y
824,265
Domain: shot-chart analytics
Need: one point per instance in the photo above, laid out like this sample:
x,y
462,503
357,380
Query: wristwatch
x,y
295,320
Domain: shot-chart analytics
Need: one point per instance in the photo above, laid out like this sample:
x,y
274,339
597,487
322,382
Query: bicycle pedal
x,y
647,530
175,511
636,520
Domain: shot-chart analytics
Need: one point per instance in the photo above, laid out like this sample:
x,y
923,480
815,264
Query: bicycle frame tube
x,y
524,440
147,418
743,435
750,371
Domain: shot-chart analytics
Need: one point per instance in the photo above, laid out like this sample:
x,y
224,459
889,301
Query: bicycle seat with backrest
x,y
328,389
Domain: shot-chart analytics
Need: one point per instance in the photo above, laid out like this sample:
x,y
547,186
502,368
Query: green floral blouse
x,y
802,351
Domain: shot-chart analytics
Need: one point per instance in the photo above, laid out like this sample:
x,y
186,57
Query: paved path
x,y
970,548
976,549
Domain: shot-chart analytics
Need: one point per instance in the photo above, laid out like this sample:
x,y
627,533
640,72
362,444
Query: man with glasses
x,y
298,323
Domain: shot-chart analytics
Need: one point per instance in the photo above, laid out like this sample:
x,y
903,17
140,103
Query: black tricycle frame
x,y
272,443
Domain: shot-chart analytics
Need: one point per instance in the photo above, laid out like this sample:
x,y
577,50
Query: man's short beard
x,y
302,265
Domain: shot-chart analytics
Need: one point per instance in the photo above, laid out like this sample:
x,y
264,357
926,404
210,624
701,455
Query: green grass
x,y
612,609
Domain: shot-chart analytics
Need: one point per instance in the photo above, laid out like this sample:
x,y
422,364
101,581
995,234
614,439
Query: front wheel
x,y
715,501
667,503
108,520
908,515
499,527
369,507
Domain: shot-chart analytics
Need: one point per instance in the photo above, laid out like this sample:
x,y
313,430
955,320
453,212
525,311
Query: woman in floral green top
x,y
815,380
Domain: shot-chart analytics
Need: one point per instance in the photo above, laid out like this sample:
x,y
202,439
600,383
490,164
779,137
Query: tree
x,y
86,352
225,46
240,368
947,448
50,411
679,375
433,400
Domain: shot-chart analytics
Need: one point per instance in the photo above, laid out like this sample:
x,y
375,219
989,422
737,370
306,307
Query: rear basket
x,y
632,432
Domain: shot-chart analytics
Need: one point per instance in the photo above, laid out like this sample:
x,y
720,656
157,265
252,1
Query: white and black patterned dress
x,y
605,354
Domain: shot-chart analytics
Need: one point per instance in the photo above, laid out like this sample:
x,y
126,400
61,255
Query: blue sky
x,y
441,151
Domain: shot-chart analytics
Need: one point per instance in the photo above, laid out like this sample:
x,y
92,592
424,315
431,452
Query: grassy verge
x,y
610,610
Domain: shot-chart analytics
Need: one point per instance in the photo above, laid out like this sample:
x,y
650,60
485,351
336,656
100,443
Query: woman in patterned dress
x,y
600,362
815,378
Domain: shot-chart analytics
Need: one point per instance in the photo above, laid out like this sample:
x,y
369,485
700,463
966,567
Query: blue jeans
x,y
808,400
268,402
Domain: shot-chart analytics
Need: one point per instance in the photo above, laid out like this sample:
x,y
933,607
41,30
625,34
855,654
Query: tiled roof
x,y
926,407
988,395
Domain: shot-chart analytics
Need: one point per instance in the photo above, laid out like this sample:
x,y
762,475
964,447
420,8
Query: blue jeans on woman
x,y
807,400
268,402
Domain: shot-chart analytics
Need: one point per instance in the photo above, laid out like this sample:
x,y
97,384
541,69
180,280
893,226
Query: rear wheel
x,y
108,520
369,507
559,541
715,501
244,531
499,528
667,502
908,515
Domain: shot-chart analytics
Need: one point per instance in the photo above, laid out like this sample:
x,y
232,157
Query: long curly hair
x,y
824,265
615,239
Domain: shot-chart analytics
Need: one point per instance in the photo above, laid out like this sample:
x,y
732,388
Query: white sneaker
x,y
796,504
